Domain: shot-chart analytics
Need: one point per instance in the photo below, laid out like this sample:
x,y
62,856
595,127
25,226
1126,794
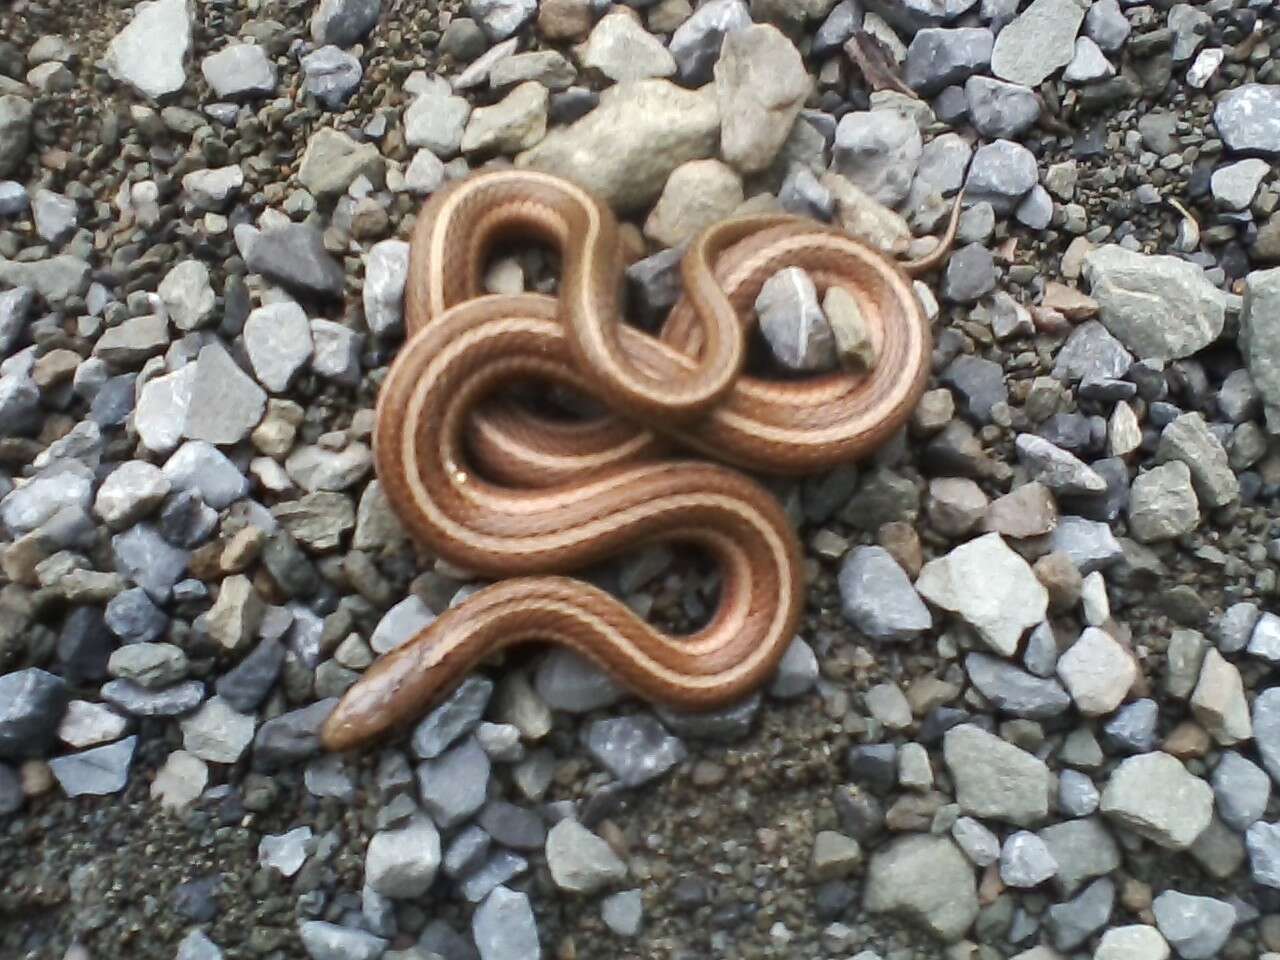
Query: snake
x,y
512,494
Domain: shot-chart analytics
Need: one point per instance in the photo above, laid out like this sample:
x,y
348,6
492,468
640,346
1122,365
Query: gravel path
x,y
1029,713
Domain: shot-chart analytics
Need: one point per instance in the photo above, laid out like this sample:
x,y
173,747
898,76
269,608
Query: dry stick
x,y
876,64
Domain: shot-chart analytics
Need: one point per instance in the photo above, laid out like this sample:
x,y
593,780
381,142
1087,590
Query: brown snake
x,y
503,492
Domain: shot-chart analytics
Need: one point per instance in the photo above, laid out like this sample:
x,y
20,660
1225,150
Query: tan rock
x,y
1218,700
621,49
866,218
696,195
564,19
516,122
235,617
854,345
624,149
761,84
1068,301
1027,511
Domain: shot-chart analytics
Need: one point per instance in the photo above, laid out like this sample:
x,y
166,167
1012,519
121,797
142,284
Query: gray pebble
x,y
454,718
95,772
331,75
1077,794
1002,172
940,57
504,927
1197,927
453,785
1070,924
1241,790
1014,691
295,257
878,598
240,71
1025,861
998,109
635,749
329,941
970,274
566,680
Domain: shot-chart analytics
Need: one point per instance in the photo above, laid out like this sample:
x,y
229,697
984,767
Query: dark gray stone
x,y
980,384
1084,849
502,18
15,132
247,684
879,151
1106,25
143,555
970,273
19,406
32,702
137,701
696,43
13,198
912,15
84,645
186,520
344,22
200,466
1089,543
466,851
1025,861
725,725
441,938
1071,924
291,737
568,681
452,719
331,75
654,282
114,401
329,941
294,256
1133,728
1015,691
513,826
11,796
841,23
133,617
501,866
939,57
504,927
1078,795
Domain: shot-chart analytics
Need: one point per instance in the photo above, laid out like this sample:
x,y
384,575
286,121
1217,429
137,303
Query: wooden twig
x,y
876,64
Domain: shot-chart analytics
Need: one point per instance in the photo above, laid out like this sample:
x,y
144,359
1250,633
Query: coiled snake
x,y
505,493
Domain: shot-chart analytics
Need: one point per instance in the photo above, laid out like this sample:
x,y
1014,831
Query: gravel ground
x,y
1028,714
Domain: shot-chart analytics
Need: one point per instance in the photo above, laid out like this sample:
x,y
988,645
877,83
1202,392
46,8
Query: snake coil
x,y
498,490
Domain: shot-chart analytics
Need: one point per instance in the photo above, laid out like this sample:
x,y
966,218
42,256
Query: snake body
x,y
504,492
